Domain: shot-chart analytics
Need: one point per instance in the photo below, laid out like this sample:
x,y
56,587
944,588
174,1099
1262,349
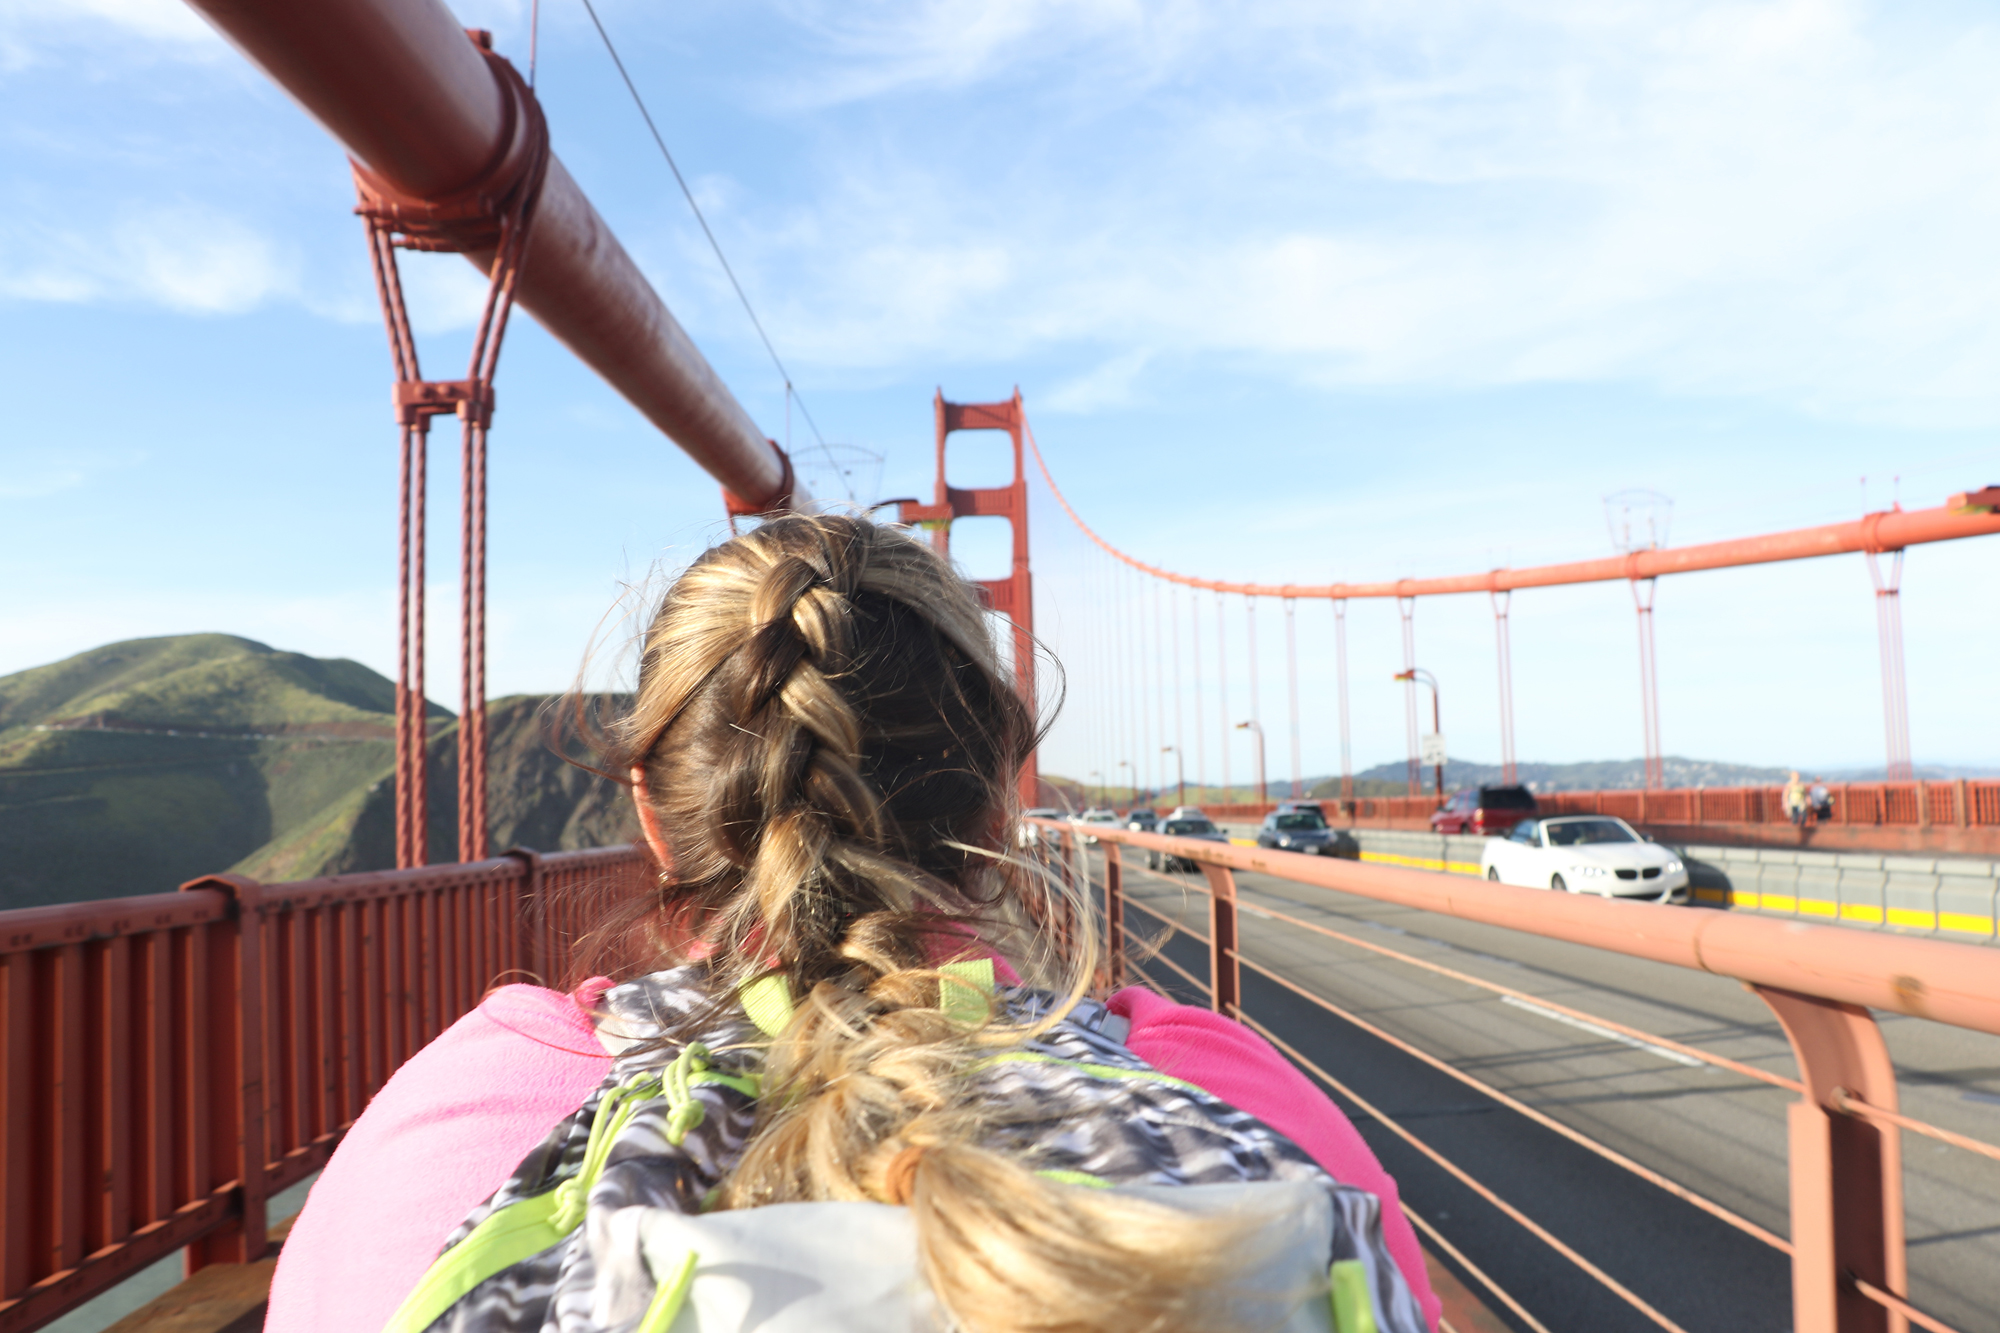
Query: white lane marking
x,y
1606,1033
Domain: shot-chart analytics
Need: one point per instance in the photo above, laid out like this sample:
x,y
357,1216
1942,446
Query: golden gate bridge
x,y
173,1061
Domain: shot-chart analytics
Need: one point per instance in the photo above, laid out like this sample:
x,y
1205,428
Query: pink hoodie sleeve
x,y
1223,1057
444,1132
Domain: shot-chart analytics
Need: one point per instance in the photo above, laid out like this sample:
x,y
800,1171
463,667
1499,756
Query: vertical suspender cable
x,y
1501,600
1149,749
1408,607
1200,714
1222,693
1649,682
1292,692
1256,716
1340,675
1895,691
1132,686
1160,683
1180,732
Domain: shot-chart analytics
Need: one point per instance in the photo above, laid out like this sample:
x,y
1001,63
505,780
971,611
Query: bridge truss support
x,y
1014,595
1895,691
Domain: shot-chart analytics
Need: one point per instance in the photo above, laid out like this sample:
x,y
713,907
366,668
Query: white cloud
x,y
1780,200
32,31
1110,384
181,256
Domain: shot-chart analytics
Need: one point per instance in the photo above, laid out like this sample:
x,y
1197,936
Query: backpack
x,y
603,1228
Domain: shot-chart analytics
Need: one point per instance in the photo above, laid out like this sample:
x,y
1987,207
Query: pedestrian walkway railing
x,y
168,1063
1846,1242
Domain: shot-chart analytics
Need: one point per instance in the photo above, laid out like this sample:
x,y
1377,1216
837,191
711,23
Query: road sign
x,y
1430,750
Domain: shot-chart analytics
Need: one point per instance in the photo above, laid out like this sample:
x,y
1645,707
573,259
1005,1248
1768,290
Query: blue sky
x,y
1313,291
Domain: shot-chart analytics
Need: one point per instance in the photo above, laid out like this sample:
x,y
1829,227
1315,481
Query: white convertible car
x,y
1585,854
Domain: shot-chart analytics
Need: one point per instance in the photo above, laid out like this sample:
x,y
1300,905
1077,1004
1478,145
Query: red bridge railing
x,y
1823,983
169,1062
1962,803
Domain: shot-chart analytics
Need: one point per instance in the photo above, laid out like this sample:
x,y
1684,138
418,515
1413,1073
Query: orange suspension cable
x,y
1972,514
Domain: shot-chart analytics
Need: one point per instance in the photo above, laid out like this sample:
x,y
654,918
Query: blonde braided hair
x,y
823,735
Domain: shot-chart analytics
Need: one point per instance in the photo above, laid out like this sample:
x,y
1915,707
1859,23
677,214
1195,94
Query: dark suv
x,y
1492,811
1298,826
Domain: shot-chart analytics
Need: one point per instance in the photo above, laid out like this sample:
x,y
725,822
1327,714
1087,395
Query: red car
x,y
1491,811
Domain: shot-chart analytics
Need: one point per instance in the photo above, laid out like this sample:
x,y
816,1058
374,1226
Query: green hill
x,y
136,766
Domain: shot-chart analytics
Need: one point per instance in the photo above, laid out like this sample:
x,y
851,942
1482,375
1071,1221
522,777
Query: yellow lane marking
x,y
1423,863
1967,922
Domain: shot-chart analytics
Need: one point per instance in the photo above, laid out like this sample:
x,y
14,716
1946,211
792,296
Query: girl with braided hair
x,y
846,1082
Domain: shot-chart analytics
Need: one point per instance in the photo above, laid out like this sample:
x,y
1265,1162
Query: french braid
x,y
828,745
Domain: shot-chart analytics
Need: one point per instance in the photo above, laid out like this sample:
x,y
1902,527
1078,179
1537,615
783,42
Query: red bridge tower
x,y
1012,596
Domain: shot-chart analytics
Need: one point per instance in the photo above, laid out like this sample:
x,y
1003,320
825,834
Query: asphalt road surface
x,y
1718,1133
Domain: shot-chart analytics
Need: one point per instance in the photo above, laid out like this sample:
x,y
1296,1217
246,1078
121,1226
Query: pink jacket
x,y
452,1124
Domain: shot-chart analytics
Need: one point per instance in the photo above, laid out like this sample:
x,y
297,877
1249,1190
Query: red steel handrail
x,y
1848,1259
169,1062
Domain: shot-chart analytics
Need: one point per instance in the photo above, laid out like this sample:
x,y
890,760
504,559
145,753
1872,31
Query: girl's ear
x,y
649,821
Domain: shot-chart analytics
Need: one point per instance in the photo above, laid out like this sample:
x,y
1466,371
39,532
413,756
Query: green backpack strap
x,y
528,1226
1353,1308
965,992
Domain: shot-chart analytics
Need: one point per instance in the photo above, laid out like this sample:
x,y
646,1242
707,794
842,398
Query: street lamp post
x,y
1099,775
1180,770
1133,780
1263,782
1437,724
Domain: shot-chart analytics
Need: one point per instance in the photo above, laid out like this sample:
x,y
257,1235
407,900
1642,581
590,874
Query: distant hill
x,y
1590,775
139,765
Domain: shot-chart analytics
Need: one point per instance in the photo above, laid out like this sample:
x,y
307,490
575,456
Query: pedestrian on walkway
x,y
1821,800
1796,807
849,1079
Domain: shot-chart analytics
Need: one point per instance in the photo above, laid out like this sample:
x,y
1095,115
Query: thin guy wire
x,y
716,246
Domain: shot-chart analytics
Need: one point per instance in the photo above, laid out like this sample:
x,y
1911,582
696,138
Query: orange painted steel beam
x,y
397,83
1971,514
1934,979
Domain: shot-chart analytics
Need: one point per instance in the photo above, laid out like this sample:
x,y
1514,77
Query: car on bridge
x,y
1096,815
1028,831
1141,819
1585,854
1490,811
1300,826
1184,822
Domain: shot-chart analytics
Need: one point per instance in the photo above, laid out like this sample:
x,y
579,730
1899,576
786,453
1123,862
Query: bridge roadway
x,y
1715,1132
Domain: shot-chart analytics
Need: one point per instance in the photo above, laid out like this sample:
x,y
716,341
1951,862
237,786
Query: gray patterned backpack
x,y
603,1230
